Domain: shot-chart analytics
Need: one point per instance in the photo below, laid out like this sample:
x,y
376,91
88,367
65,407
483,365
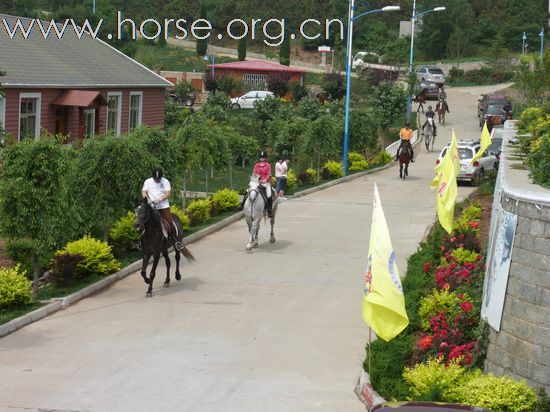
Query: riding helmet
x,y
157,173
263,154
429,107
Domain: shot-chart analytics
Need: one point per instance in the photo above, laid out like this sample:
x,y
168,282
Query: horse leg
x,y
406,169
256,231
272,234
156,258
145,262
400,170
167,262
178,257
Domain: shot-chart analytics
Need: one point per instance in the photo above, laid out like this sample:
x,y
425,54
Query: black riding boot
x,y
177,244
270,206
447,107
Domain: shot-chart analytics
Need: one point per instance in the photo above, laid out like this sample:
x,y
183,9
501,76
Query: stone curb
x,y
66,301
366,393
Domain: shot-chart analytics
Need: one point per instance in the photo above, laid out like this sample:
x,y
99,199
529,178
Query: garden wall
x,y
520,345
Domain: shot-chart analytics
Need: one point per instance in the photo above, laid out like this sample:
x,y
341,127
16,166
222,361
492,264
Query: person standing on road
x,y
281,174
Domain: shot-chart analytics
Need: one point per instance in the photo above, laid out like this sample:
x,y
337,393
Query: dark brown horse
x,y
441,109
154,243
421,99
404,159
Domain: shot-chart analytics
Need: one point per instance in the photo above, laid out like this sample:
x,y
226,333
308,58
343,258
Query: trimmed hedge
x,y
15,288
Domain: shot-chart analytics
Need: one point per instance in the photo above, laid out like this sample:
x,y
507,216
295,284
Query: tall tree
x,y
34,197
284,51
323,138
242,49
202,44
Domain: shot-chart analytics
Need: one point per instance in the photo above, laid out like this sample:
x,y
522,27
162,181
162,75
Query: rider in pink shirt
x,y
263,169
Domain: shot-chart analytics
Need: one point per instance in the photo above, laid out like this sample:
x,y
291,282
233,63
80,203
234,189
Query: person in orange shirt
x,y
406,134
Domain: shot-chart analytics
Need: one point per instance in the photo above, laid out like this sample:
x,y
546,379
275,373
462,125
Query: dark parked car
x,y
494,116
487,100
425,407
432,89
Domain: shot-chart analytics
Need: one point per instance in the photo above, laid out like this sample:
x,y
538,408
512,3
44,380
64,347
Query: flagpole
x,y
370,348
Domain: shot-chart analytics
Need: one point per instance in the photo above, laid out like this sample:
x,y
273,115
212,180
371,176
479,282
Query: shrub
x,y
21,251
359,166
496,394
225,199
325,173
462,256
355,157
184,219
308,177
381,158
64,267
198,211
335,169
123,233
291,181
97,257
15,288
440,301
433,379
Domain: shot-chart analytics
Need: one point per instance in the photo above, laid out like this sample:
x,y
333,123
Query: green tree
x,y
34,197
297,90
323,138
202,44
1,125
107,179
240,148
364,125
333,85
241,48
284,51
533,80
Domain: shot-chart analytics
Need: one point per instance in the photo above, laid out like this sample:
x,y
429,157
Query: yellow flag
x,y
485,142
383,302
445,182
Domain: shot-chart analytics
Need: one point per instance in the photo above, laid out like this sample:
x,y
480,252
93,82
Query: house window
x,y
257,80
89,122
114,105
29,116
136,99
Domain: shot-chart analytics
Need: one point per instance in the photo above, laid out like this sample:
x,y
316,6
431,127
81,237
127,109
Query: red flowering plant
x,y
462,271
449,321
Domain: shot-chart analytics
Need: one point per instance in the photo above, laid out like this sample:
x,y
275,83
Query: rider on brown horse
x,y
406,134
442,99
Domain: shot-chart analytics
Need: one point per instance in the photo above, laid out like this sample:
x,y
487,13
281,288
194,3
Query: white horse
x,y
428,133
254,210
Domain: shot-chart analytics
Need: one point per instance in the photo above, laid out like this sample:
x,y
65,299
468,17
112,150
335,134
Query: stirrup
x,y
178,245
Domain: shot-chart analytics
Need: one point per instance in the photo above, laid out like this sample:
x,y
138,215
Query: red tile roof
x,y
258,66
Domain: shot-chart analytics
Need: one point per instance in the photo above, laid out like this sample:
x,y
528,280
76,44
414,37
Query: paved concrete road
x,y
275,330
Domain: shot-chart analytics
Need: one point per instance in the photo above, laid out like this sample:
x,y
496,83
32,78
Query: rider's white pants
x,y
267,186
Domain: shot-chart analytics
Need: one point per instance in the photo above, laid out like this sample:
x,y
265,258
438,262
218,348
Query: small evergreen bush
x,y
440,301
123,233
355,157
198,211
495,394
335,169
359,166
225,199
184,219
291,181
97,257
15,288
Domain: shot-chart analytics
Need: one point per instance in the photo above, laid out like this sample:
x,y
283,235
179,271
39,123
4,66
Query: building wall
x,y
152,110
521,348
239,74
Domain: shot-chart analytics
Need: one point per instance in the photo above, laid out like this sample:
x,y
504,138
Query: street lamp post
x,y
413,20
351,19
523,38
541,34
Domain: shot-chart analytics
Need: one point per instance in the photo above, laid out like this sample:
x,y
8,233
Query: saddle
x,y
164,227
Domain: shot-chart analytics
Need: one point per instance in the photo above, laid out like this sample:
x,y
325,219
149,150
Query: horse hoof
x,y
248,248
272,239
149,295
166,285
178,276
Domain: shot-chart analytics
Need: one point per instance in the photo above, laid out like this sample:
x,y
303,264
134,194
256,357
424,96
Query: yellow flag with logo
x,y
383,301
445,182
485,142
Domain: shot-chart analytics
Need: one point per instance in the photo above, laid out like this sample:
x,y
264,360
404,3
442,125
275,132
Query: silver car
x,y
430,74
246,101
472,171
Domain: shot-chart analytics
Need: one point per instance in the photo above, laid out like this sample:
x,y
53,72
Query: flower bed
x,y
446,337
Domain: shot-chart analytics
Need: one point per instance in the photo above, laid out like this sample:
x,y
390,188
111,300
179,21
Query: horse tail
x,y
187,254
